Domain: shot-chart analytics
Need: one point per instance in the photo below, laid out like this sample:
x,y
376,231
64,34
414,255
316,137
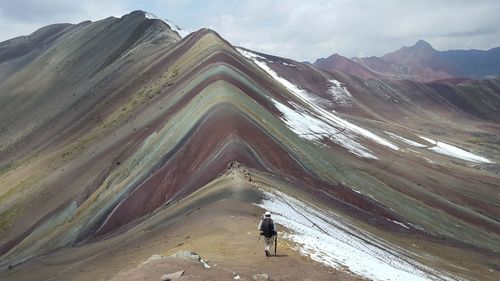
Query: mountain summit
x,y
423,45
420,54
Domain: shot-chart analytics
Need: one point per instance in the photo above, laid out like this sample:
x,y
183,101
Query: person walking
x,y
268,229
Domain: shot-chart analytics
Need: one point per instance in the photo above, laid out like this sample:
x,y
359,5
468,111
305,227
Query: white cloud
x,y
22,17
294,28
310,29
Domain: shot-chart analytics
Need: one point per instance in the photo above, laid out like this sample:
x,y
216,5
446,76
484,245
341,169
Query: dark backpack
x,y
267,227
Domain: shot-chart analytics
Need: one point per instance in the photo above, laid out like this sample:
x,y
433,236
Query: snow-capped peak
x,y
182,33
151,16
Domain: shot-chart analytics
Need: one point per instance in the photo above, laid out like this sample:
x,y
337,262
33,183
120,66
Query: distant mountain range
x,y
420,62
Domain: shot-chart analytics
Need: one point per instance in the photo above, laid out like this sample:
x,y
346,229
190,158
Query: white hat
x,y
267,214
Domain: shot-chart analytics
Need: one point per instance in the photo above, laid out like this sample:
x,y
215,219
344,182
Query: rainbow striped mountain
x,y
120,139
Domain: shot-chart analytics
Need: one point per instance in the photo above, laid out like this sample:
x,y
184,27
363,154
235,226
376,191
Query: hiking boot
x,y
267,253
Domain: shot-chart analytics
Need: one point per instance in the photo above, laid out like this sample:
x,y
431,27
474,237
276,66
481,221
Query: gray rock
x,y
190,255
205,264
154,257
260,277
172,276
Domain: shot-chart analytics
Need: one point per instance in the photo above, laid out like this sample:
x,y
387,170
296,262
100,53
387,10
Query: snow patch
x,y
430,161
429,140
260,61
335,243
151,16
339,93
251,55
453,151
398,223
311,128
326,120
182,33
407,141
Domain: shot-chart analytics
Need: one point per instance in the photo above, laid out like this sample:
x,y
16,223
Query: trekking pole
x,y
275,243
258,240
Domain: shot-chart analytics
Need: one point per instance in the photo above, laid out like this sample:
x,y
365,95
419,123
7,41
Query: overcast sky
x,y
298,29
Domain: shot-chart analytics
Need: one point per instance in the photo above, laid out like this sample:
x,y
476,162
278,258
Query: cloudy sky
x,y
298,29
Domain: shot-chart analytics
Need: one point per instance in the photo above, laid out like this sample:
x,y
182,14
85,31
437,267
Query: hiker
x,y
268,229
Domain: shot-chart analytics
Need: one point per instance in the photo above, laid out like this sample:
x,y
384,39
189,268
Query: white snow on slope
x,y
182,33
407,141
332,126
342,244
320,123
339,93
260,61
151,16
312,128
453,151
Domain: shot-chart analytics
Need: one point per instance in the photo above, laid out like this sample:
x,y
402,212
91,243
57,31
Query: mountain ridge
x,y
423,63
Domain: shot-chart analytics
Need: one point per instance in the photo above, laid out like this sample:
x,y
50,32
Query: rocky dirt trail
x,y
224,235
